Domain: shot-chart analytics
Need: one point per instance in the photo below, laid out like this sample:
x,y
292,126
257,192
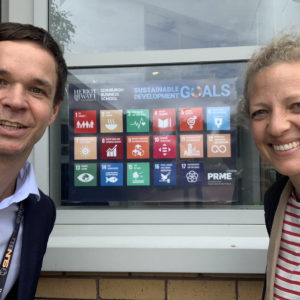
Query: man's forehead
x,y
37,63
15,44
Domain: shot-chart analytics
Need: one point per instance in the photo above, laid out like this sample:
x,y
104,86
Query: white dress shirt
x,y
26,185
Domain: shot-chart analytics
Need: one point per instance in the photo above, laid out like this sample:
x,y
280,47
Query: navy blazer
x,y
39,218
271,200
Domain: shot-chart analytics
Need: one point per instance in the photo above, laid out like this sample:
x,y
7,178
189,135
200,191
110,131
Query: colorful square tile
x,y
111,121
137,120
191,119
164,173
85,148
85,121
191,173
218,118
164,119
191,146
218,145
138,174
138,147
85,174
111,174
164,146
111,147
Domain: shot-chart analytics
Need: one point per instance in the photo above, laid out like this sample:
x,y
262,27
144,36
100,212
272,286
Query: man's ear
x,y
55,111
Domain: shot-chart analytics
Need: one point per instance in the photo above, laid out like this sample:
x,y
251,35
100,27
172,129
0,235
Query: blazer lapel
x,y
33,249
275,238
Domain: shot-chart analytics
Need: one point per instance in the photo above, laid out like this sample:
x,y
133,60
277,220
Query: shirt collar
x,y
26,186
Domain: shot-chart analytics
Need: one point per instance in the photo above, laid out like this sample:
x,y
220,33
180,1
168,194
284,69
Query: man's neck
x,y
9,171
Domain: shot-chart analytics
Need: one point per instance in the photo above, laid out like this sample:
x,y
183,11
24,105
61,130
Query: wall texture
x,y
149,286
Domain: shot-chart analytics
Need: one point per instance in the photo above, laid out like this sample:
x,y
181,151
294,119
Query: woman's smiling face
x,y
274,104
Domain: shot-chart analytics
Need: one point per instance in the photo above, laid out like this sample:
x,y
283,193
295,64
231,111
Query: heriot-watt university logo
x,y
85,95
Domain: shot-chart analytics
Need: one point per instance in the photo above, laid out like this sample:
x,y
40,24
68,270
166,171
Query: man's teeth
x,y
9,125
286,146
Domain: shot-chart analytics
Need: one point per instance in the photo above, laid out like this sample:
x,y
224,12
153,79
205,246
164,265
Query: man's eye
x,y
36,90
3,82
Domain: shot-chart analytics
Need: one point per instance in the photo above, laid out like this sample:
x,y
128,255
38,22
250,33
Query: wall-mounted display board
x,y
153,134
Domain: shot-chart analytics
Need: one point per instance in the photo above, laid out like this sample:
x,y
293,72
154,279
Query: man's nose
x,y
14,97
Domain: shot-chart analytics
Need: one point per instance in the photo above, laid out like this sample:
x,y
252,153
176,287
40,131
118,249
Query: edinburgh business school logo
x,y
85,95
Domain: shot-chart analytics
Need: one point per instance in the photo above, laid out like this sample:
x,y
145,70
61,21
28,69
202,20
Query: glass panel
x,y
94,26
154,136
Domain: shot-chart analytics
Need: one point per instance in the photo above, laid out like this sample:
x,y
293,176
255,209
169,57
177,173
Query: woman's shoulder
x,y
271,200
274,191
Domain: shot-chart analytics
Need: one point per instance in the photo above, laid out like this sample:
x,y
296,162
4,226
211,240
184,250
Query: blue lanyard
x,y
7,257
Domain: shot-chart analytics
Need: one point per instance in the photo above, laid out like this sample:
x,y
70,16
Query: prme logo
x,y
205,91
219,176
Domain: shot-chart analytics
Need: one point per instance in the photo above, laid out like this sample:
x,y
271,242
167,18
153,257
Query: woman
x,y
272,100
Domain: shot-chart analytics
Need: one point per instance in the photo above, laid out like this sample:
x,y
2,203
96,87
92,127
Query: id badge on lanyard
x,y
7,257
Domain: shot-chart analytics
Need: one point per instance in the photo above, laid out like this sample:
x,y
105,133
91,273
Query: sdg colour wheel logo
x,y
196,91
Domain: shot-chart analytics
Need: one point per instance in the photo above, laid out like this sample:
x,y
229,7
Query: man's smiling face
x,y
27,88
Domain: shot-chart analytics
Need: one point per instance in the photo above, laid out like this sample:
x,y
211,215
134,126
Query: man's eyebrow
x,y
37,81
4,72
43,83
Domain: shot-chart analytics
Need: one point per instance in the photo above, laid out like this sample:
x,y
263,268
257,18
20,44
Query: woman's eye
x,y
297,106
258,114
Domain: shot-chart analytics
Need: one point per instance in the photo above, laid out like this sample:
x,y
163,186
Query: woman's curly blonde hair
x,y
285,48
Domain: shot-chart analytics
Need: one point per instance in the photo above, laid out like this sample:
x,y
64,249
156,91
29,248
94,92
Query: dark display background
x,y
186,86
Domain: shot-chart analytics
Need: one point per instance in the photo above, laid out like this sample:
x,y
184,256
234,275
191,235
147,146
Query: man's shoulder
x,y
45,198
47,203
42,211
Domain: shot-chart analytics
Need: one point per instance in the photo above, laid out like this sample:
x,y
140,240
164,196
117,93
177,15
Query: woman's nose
x,y
279,123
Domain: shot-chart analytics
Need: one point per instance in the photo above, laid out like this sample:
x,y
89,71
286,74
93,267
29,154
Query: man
x,y
32,82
